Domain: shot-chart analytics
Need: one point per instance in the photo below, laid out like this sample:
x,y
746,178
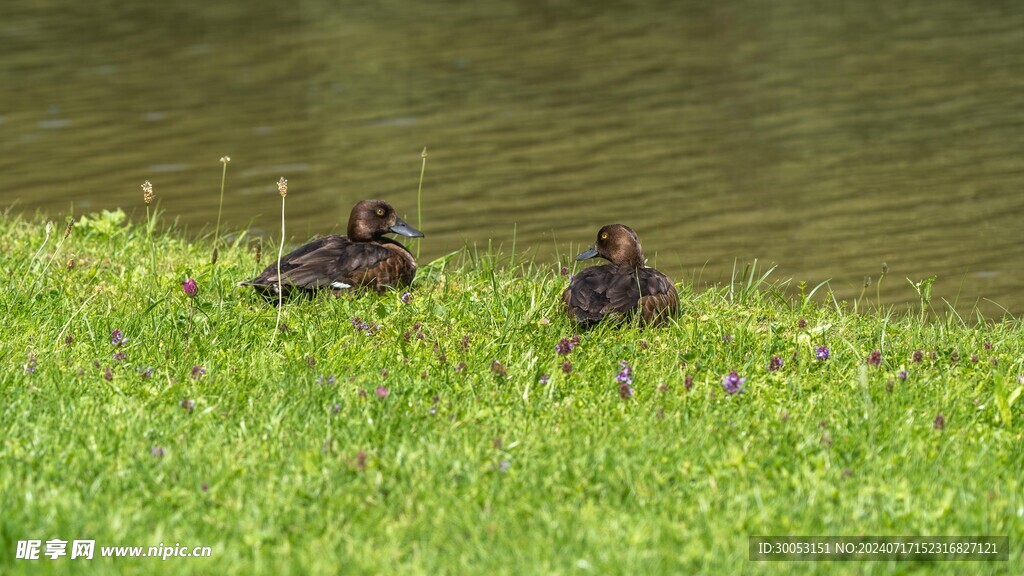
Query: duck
x,y
624,288
363,259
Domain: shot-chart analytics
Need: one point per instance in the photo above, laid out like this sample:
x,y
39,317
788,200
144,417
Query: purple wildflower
x,y
625,375
728,338
190,288
116,337
497,367
544,379
69,339
564,346
188,405
30,367
564,271
325,380
940,422
875,358
157,451
974,357
954,357
361,460
801,323
120,356
406,297
336,408
198,371
902,375
625,380
147,373
688,382
774,364
368,328
822,353
107,374
988,345
918,356
504,466
567,367
383,392
732,383
460,367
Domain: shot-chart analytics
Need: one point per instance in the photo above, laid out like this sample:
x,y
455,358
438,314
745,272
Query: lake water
x,y
825,138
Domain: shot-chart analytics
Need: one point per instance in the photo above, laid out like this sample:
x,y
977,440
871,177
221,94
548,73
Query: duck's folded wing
x,y
325,262
598,291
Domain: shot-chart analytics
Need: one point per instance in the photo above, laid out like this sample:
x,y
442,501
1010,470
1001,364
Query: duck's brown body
x,y
623,288
363,259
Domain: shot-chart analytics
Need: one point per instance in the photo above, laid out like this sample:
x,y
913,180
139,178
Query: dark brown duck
x,y
364,258
623,288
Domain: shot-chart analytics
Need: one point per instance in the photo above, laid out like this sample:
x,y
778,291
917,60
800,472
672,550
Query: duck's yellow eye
x,y
604,235
380,211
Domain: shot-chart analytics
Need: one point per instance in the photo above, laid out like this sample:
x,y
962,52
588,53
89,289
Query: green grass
x,y
461,469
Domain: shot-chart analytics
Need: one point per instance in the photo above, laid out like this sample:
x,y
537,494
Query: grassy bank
x,y
454,431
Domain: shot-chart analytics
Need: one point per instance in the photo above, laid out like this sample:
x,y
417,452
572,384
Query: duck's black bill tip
x,y
404,229
588,254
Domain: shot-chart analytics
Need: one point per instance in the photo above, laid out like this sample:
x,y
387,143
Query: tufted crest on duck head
x,y
372,219
619,245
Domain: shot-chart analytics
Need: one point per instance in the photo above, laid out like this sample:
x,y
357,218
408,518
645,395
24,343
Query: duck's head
x,y
374,218
619,245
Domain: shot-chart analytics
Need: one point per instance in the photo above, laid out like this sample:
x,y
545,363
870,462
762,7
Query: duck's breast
x,y
380,264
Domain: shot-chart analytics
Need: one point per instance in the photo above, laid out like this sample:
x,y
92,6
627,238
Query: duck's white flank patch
x,y
340,285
